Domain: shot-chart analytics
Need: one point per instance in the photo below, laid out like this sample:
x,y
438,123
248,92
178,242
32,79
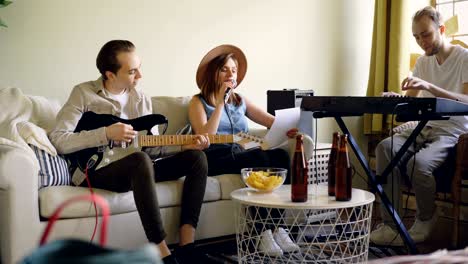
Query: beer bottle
x,y
332,164
343,172
299,171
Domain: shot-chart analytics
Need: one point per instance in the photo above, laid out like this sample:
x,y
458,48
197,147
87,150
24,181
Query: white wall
x,y
51,45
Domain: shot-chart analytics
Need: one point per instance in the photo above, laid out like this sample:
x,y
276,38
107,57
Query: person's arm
x,y
67,141
439,92
414,84
257,114
198,119
63,137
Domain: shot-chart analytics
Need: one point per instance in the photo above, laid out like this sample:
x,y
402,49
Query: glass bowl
x,y
263,179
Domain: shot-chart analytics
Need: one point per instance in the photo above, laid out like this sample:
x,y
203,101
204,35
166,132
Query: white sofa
x,y
24,208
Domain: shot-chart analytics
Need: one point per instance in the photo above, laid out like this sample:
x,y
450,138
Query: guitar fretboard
x,y
168,140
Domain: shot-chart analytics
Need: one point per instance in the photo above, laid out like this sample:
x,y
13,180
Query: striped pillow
x,y
53,171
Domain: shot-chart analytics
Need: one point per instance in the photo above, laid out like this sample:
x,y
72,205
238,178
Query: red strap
x,y
90,197
95,209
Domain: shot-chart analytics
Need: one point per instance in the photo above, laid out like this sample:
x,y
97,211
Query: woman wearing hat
x,y
218,109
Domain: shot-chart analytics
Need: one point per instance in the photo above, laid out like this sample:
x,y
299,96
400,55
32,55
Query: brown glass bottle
x,y
343,172
299,171
332,164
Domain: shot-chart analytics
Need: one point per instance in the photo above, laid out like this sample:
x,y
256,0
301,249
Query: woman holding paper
x,y
218,109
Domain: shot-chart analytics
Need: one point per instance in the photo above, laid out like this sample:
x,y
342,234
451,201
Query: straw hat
x,y
220,50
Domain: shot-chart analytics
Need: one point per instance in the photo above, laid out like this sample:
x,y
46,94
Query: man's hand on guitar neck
x,y
201,142
120,132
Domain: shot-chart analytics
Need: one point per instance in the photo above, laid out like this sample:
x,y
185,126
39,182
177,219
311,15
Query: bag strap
x,y
89,197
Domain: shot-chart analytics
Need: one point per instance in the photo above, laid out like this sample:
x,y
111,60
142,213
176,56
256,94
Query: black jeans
x,y
138,173
231,159
226,159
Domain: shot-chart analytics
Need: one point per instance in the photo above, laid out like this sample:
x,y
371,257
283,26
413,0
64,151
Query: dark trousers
x,y
227,159
138,173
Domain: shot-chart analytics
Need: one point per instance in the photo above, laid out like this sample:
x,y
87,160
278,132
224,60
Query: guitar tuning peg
x,y
110,153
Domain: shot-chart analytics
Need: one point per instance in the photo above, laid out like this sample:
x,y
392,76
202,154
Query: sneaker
x,y
386,236
267,244
283,240
421,230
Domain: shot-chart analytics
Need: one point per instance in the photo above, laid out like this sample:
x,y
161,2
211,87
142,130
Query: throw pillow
x,y
53,170
186,130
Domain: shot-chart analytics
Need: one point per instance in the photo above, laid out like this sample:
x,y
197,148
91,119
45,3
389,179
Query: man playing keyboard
x,y
441,72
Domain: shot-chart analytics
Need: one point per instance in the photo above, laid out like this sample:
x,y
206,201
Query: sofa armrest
x,y
19,220
17,167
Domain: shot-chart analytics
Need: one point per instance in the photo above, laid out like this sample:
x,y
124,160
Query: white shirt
x,y
123,101
450,75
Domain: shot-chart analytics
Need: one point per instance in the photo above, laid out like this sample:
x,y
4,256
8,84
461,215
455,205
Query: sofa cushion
x,y
175,109
169,194
229,183
53,170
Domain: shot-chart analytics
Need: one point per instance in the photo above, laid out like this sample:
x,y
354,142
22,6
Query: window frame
x,y
461,32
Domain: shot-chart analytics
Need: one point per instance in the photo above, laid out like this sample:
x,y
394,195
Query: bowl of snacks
x,y
264,179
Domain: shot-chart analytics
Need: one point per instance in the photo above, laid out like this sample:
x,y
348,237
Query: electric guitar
x,y
99,157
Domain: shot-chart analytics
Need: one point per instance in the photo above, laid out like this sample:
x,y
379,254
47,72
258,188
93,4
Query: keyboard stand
x,y
377,187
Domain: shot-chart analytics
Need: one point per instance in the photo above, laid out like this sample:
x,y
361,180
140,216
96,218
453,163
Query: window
x,y
450,8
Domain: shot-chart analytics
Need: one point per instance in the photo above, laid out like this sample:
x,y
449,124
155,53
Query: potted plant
x,y
3,3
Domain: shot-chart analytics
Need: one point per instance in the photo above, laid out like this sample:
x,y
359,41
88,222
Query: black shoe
x,y
188,254
170,260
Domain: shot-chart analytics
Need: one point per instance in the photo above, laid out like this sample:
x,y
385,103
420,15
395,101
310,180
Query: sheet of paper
x,y
285,119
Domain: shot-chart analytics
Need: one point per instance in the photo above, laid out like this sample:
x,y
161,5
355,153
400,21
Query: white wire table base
x,y
323,235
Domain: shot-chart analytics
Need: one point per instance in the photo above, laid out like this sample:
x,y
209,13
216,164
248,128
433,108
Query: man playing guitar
x,y
115,93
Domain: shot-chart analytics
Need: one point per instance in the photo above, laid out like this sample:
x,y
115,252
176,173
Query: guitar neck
x,y
171,140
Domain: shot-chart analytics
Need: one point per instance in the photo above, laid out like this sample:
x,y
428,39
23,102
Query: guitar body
x,y
90,120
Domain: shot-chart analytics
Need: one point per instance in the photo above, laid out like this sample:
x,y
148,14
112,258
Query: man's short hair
x,y
430,12
107,57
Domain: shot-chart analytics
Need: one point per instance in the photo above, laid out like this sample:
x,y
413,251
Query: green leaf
x,y
2,24
4,3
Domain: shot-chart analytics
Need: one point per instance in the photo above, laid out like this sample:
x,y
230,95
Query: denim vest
x,y
233,119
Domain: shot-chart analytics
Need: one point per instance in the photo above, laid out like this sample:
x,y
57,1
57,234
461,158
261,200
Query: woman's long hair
x,y
210,84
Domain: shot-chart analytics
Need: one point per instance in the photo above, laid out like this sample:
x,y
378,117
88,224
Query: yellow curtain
x,y
390,55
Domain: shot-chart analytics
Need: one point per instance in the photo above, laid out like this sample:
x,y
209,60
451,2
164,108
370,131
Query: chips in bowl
x,y
263,179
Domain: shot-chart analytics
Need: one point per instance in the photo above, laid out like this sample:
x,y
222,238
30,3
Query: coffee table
x,y
327,231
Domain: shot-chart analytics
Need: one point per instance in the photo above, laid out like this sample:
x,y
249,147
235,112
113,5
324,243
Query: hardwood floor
x,y
440,237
